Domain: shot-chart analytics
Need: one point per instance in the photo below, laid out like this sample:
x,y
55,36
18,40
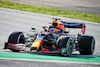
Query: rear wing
x,y
75,25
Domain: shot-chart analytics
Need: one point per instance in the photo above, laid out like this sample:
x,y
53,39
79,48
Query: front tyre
x,y
16,38
87,45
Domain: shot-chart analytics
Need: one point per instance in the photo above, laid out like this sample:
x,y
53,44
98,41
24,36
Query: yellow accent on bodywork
x,y
36,44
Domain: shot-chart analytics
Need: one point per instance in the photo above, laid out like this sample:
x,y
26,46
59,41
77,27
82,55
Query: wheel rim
x,y
69,47
93,45
20,38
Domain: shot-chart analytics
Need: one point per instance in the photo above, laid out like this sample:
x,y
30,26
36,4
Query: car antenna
x,y
55,19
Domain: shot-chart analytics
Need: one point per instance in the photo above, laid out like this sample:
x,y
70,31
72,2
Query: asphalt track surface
x,y
25,63
14,20
85,6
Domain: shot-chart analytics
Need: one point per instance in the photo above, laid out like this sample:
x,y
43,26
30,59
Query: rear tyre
x,y
16,38
66,45
87,45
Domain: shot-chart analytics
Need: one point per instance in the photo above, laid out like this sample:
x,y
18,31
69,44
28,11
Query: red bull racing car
x,y
54,39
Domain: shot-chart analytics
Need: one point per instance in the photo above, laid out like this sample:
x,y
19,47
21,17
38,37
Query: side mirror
x,y
44,27
33,28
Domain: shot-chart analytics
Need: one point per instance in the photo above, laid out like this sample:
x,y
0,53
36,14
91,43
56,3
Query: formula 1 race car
x,y
54,39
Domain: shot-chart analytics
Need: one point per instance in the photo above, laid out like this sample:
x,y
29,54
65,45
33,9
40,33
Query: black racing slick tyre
x,y
16,38
87,45
66,45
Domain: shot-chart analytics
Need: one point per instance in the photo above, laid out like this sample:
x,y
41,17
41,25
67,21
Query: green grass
x,y
50,11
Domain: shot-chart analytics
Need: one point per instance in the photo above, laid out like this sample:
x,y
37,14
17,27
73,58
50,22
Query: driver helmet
x,y
52,30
